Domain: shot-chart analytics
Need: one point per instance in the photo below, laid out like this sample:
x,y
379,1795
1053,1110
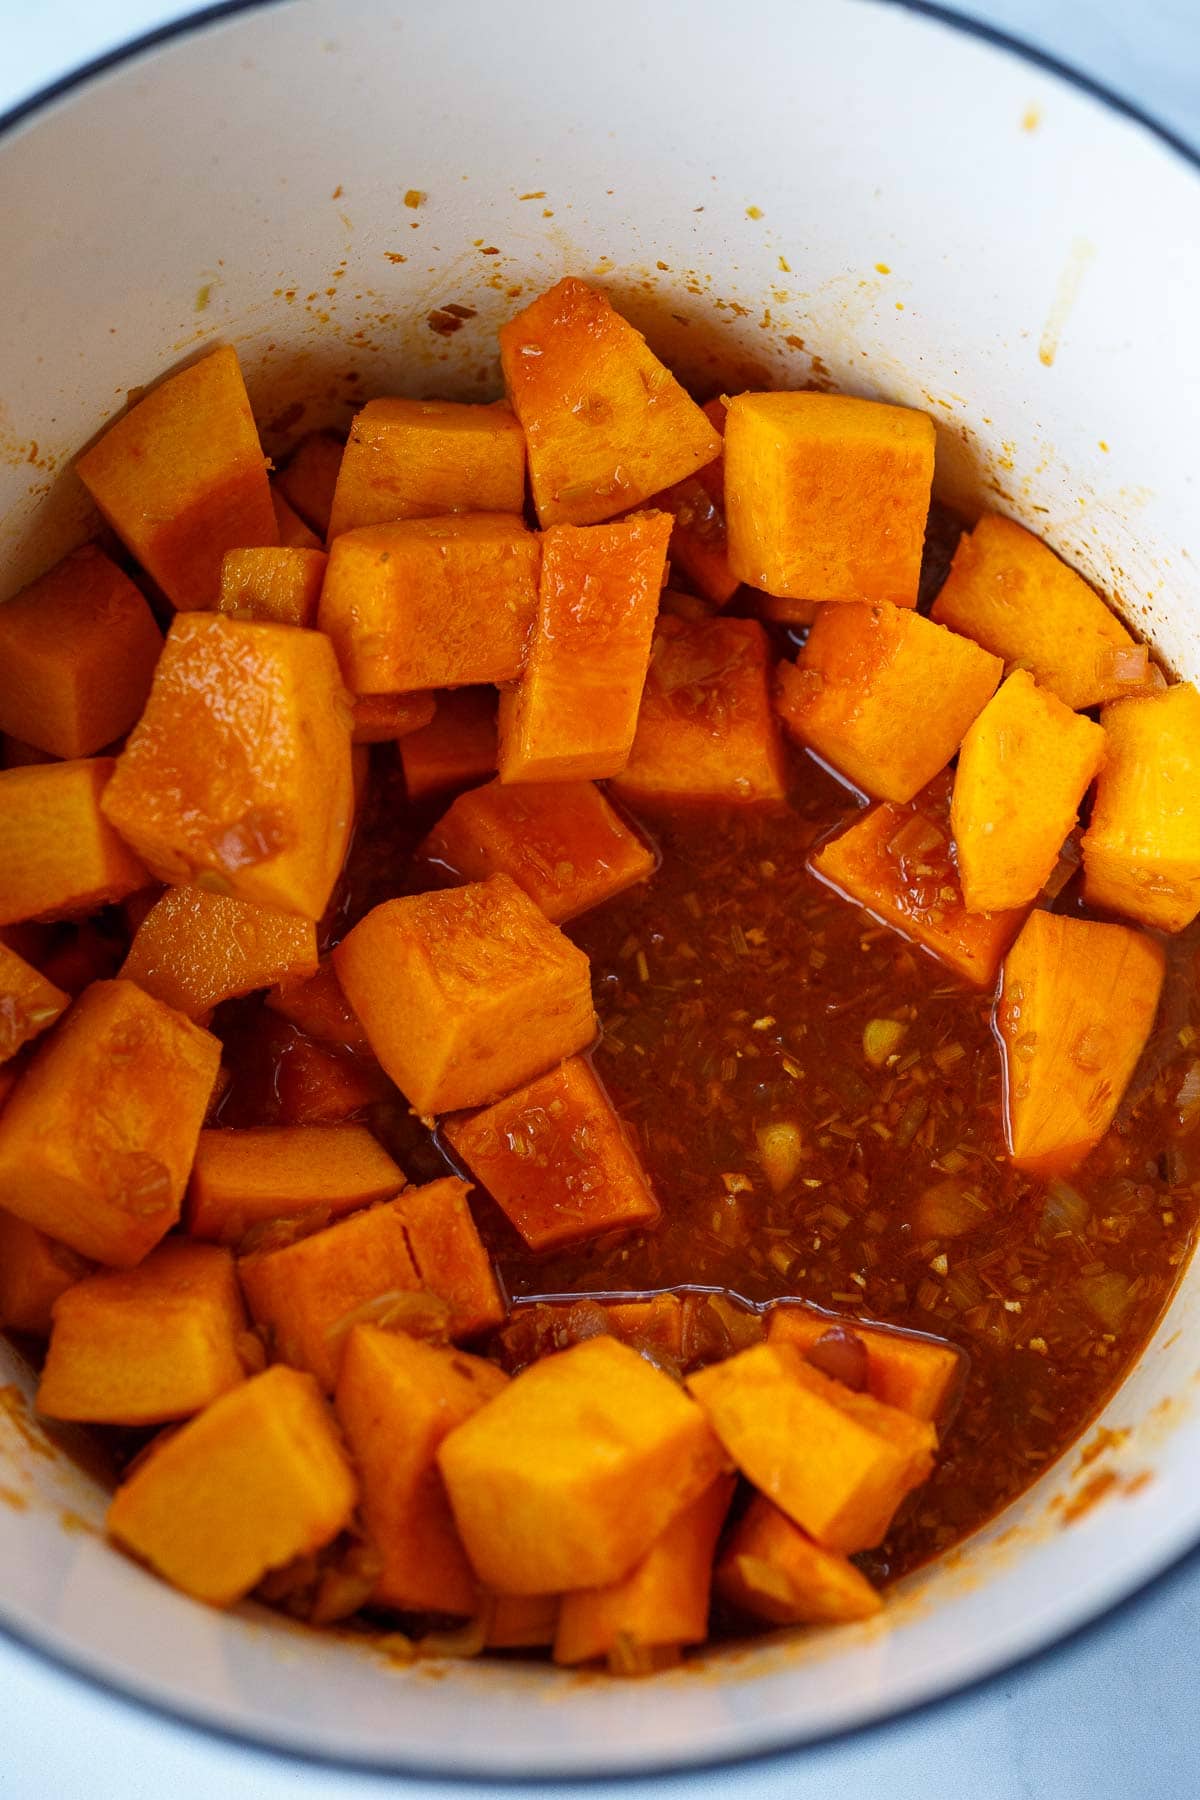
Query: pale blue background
x,y
1116,1717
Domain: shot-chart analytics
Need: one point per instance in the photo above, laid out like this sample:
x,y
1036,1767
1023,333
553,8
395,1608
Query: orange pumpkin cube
x,y
836,1462
1141,852
77,651
1008,591
898,862
555,1158
319,1008
916,1374
308,479
275,586
34,1271
884,695
521,1621
194,949
1077,1004
699,538
29,1004
560,841
606,424
294,534
771,1570
466,993
379,718
59,856
664,1598
706,729
431,603
257,1480
238,776
244,1178
826,496
319,1085
1023,770
397,1399
97,1138
141,1346
449,1255
569,1474
181,478
420,459
656,1322
456,748
574,711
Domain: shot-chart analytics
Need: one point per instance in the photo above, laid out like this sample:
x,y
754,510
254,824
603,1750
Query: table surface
x,y
1112,1717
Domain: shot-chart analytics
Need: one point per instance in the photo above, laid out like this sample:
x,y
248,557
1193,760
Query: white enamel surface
x,y
864,135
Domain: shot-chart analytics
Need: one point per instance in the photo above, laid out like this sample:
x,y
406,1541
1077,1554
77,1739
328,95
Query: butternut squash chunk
x,y
244,1178
771,1570
29,1004
380,718
521,1621
467,993
98,1136
142,1346
319,1008
836,1462
420,459
1077,1003
606,424
195,949
181,478
59,856
1023,770
560,841
573,713
397,1399
449,1255
319,1085
274,586
77,654
569,1474
431,603
884,695
308,479
294,534
1141,852
826,496
1012,594
34,1271
699,539
457,748
238,776
257,1480
555,1158
706,729
916,1374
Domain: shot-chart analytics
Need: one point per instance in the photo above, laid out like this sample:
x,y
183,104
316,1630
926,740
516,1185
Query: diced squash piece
x,y
655,1323
898,862
457,747
257,1480
310,1294
181,478
319,1085
1141,852
1077,1004
706,729
97,1138
826,496
466,993
243,1178
566,1478
238,776
29,1004
431,602
141,1346
773,1571
916,1374
274,586
1008,591
317,1005
664,1598
421,459
573,714
294,534
308,479
785,612
195,949
77,654
560,841
59,856
449,1255
397,1398
606,424
885,695
836,1462
699,548
521,1621
380,717
1023,769
34,1271
555,1158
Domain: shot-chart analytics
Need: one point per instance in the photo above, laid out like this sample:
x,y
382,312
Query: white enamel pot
x,y
875,191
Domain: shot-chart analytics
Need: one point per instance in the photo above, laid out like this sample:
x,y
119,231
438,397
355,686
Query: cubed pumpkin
x,y
420,459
